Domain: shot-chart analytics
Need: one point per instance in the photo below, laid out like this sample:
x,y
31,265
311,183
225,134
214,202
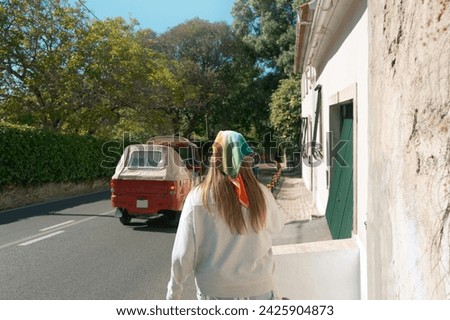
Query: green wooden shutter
x,y
339,211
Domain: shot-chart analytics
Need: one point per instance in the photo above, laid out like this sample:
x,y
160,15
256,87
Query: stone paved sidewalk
x,y
303,222
290,193
293,197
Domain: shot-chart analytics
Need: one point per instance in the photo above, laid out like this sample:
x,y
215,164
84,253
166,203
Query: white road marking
x,y
41,238
57,225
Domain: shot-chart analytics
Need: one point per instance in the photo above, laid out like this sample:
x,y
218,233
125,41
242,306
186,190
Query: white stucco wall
x,y
303,270
344,71
402,141
409,142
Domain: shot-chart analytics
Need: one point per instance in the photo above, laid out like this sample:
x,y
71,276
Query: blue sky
x,y
160,15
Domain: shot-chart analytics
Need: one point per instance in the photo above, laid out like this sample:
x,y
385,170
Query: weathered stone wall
x,y
409,142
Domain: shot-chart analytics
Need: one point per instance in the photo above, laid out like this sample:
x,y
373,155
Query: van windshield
x,y
146,159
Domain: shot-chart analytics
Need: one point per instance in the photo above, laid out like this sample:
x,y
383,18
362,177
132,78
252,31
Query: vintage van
x,y
154,178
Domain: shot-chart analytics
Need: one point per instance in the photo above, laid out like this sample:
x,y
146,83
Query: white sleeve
x,y
183,253
276,218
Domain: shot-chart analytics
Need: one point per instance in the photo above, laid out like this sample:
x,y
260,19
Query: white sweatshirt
x,y
224,264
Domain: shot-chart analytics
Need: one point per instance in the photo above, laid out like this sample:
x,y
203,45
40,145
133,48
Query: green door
x,y
339,211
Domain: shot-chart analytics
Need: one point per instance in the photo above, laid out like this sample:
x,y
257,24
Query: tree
x,y
216,71
268,26
125,81
285,110
64,72
38,39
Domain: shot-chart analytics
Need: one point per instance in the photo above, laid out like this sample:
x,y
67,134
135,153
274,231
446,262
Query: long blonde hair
x,y
217,185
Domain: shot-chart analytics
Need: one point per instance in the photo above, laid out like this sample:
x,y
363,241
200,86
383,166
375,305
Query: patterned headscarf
x,y
234,149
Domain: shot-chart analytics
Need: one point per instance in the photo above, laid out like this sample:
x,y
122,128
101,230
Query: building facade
x,y
375,135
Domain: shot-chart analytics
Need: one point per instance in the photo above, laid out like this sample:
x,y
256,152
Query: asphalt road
x,y
75,249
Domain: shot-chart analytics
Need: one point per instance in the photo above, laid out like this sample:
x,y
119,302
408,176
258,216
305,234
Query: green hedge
x,y
31,156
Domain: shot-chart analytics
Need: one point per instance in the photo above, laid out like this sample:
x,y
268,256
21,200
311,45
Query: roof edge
x,y
305,16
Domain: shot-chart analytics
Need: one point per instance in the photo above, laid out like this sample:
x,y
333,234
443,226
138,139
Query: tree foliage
x,y
126,82
285,109
65,72
218,73
38,41
268,26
